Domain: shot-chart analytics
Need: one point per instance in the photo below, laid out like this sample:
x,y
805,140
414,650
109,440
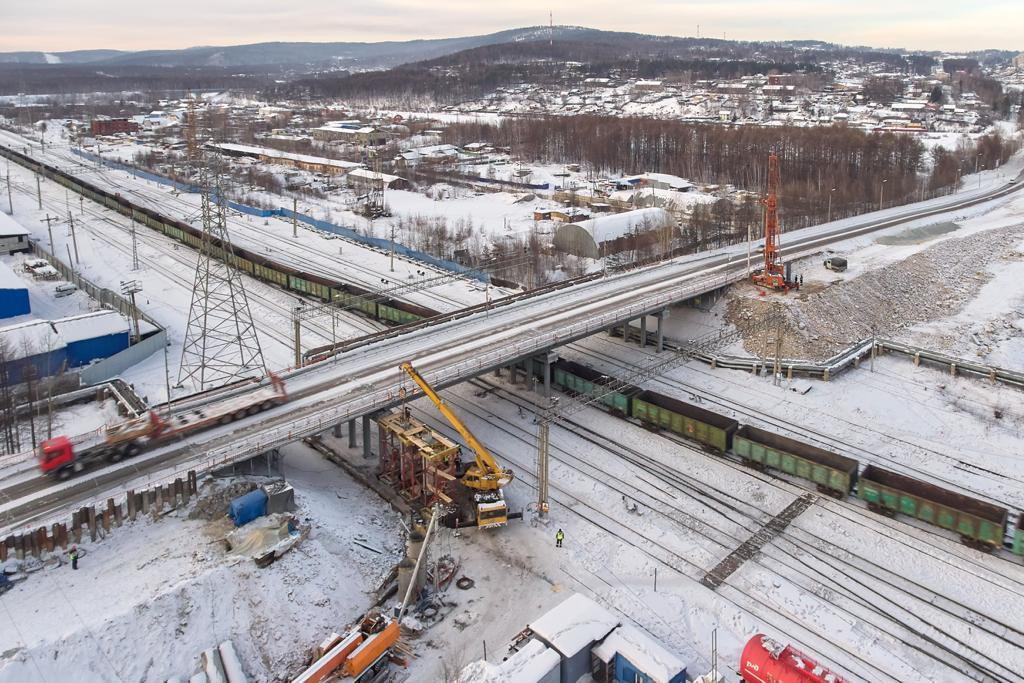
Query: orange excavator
x,y
773,274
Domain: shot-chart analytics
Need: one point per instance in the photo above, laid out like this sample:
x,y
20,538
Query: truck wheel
x,y
131,450
64,473
115,456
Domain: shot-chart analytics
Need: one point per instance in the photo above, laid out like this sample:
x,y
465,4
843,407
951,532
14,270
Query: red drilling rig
x,y
773,274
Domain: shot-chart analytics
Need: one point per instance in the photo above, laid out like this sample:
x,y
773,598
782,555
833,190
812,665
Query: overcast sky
x,y
57,25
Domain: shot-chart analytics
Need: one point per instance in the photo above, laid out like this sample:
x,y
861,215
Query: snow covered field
x,y
167,588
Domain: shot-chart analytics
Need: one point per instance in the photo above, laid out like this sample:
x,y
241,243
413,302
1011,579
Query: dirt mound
x,y
931,284
216,495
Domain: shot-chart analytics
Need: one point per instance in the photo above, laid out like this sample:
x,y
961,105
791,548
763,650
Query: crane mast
x,y
485,475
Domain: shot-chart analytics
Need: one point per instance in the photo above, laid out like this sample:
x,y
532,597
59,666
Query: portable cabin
x,y
629,654
572,629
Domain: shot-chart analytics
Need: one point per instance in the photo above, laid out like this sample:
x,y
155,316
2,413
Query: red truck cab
x,y
55,454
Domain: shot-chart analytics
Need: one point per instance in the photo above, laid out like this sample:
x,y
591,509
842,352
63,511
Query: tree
x,y
937,96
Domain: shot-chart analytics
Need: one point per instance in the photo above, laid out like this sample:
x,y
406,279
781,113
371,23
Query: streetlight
x,y
881,192
830,204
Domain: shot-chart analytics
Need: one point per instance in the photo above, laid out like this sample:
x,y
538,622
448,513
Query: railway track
x,y
296,254
167,248
739,513
814,435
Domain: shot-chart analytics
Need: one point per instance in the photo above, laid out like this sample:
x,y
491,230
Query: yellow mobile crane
x,y
484,477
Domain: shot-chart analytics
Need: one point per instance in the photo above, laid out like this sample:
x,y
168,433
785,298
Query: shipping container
x,y
978,522
687,420
833,473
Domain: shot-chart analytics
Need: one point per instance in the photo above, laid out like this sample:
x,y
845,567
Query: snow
x,y
29,338
277,154
10,227
574,624
168,589
645,653
91,325
528,665
9,279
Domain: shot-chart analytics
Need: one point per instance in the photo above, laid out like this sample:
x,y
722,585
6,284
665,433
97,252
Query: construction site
x,y
787,459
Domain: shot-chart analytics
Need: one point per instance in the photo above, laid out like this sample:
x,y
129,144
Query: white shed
x,y
592,238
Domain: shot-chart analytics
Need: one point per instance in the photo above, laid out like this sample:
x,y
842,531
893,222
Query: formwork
x,y
419,463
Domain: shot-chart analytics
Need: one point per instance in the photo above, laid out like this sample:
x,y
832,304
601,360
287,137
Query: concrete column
x,y
549,358
643,330
367,453
352,433
336,431
662,314
513,371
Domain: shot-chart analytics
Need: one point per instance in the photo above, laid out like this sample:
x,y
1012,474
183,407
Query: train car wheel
x,y
255,408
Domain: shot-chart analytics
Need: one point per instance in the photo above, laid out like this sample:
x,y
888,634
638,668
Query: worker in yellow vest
x,y
559,537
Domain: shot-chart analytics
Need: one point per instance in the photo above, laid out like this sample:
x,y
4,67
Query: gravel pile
x,y
929,285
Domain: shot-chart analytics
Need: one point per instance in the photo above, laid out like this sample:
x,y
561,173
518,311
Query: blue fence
x,y
339,230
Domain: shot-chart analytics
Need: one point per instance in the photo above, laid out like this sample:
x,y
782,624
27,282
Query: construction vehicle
x,y
773,274
483,479
62,456
361,655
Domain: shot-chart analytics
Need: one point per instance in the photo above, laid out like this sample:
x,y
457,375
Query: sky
x,y
59,25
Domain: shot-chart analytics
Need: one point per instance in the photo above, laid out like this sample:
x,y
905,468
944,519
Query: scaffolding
x,y
418,462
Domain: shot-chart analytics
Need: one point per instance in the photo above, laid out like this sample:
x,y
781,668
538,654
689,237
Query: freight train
x,y
62,457
345,295
979,524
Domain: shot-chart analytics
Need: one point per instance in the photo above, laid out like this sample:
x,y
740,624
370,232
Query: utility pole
x,y
392,248
135,248
129,289
74,239
50,231
543,445
10,199
81,206
873,332
295,217
167,376
829,220
297,318
39,192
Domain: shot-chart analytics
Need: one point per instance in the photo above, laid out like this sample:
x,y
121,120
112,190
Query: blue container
x,y
246,508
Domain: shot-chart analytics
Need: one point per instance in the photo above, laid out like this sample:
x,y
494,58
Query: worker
x,y
559,537
74,557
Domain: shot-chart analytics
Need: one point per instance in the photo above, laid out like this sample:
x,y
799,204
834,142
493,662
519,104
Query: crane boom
x,y
485,474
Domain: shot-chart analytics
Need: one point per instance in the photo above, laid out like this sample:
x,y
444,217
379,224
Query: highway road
x,y
366,379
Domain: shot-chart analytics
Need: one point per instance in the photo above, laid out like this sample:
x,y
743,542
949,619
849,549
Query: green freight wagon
x,y
980,524
833,473
710,429
1018,536
581,380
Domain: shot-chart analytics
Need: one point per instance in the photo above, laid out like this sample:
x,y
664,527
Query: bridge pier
x,y
367,453
351,433
662,314
336,431
643,331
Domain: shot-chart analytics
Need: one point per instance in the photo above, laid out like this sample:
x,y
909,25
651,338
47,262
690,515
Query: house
x,y
365,179
13,294
648,86
306,162
13,237
568,215
107,126
660,181
629,654
572,629
363,135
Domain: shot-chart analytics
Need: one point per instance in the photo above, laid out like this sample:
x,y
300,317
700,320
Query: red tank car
x,y
766,661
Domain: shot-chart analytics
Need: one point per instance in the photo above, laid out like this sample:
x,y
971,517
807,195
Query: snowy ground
x,y
168,589
166,272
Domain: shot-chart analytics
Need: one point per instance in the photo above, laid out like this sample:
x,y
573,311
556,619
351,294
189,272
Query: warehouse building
x,y
13,294
13,237
613,234
42,348
112,126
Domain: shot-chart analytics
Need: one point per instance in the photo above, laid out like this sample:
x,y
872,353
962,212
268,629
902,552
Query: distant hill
x,y
349,55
